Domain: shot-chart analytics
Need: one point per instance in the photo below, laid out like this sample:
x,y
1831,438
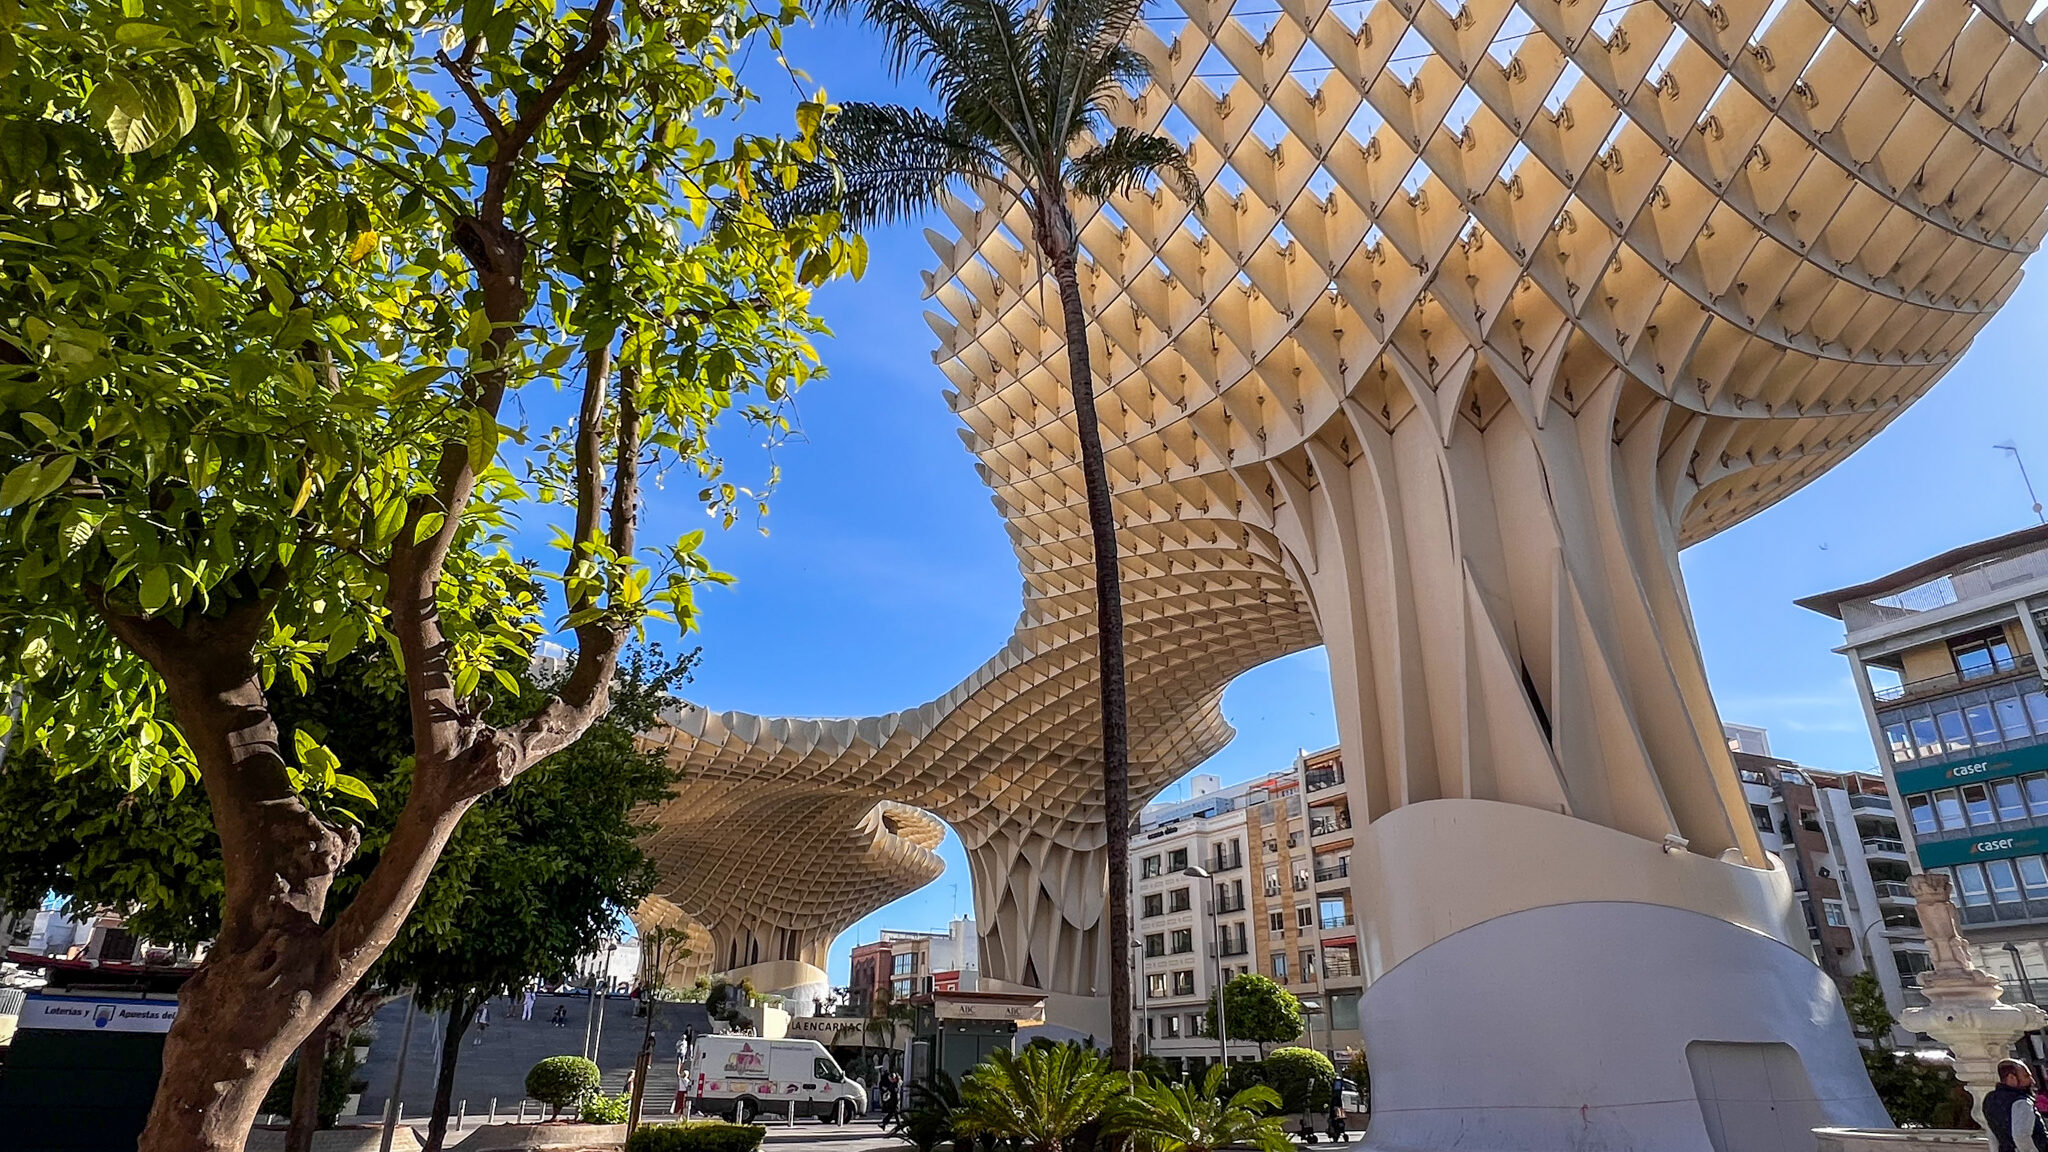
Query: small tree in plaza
x,y
1258,1010
1302,1077
272,280
561,1082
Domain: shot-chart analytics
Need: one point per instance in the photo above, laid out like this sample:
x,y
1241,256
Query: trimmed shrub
x,y
696,1136
1302,1076
602,1109
561,1081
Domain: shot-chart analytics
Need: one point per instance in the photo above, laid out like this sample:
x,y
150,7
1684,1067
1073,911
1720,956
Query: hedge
x,y
696,1136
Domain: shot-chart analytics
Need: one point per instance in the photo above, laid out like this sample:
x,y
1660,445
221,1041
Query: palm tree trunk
x,y
1109,639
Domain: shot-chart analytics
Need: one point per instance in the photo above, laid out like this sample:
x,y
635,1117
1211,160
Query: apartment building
x,y
1247,848
1838,837
911,963
1946,657
1321,777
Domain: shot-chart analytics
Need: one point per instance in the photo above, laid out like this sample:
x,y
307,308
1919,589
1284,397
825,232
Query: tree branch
x,y
463,80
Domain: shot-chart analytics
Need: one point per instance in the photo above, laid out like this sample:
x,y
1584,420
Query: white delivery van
x,y
745,1077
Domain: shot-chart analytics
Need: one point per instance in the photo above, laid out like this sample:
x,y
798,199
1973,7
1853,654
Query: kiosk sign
x,y
91,1014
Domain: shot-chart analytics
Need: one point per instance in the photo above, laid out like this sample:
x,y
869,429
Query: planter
x,y
557,1137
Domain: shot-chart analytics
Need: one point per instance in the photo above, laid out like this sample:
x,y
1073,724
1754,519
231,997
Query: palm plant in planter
x,y
1025,87
1163,1116
1046,1099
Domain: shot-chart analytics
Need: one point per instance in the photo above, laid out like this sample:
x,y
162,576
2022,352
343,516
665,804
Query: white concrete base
x,y
1609,1025
1899,1140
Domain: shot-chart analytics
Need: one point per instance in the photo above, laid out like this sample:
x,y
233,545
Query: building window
x,y
1837,918
1177,900
1280,967
1922,809
903,962
904,988
2036,788
1950,810
1171,1024
1276,922
1925,741
1953,735
1183,940
1983,655
1970,882
1272,880
1983,729
1177,860
1194,1024
2034,876
1308,963
1149,867
2006,795
1155,945
1902,748
2005,885
1977,805
1155,984
1305,917
1155,905
1761,815
2012,718
1184,982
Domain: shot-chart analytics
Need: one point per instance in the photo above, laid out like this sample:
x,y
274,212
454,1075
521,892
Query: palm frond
x,y
885,163
1041,1097
1083,43
1123,163
1178,1117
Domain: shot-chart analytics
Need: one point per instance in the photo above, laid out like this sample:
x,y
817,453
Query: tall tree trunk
x,y
274,974
460,1011
1109,640
306,1089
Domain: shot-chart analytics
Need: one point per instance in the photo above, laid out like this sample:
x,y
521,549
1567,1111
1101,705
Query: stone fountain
x,y
1963,1011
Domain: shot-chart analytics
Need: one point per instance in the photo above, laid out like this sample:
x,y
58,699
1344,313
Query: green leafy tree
x,y
1302,1077
561,1082
272,280
1024,88
1869,1015
1044,1098
1172,1116
1259,1010
554,862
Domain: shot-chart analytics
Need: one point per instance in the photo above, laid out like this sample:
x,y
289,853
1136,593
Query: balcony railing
x,y
1952,681
1301,881
1339,965
1337,871
1229,904
1871,803
1884,844
1226,863
1344,921
1893,890
1321,778
1325,825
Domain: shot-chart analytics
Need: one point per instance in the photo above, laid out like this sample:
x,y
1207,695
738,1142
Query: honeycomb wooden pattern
x,y
1488,311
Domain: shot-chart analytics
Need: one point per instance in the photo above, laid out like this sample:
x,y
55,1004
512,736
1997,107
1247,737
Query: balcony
x,y
1301,881
1326,825
1344,921
1318,779
1894,892
1870,803
1227,862
1328,872
1227,904
1884,846
1340,965
1895,694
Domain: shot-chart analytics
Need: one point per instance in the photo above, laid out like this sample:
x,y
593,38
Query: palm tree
x,y
1169,1117
1041,1099
1025,89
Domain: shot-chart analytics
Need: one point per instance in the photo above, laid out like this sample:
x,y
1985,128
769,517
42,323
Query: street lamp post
x,y
2027,991
1141,1036
1216,949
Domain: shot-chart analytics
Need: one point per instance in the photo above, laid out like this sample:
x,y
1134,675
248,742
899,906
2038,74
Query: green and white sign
x,y
1975,769
1943,853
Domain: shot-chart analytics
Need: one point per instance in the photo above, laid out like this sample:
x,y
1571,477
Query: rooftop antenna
x,y
2009,446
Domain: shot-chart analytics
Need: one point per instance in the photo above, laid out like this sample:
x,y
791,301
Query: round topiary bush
x,y
1302,1076
561,1082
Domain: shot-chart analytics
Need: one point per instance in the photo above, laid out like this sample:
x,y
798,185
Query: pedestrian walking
x,y
526,1005
892,1097
483,1022
1336,1118
2010,1114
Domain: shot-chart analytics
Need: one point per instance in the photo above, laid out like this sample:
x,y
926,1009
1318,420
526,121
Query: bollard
x,y
494,1111
461,1113
792,1113
401,1111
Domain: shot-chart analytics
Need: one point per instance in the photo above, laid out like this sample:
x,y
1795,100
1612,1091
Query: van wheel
x,y
744,1111
842,1112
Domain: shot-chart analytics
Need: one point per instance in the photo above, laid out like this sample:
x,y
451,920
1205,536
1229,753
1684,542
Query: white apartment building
x,y
1252,841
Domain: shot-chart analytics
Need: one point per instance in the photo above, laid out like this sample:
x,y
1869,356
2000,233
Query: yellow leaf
x,y
305,494
366,243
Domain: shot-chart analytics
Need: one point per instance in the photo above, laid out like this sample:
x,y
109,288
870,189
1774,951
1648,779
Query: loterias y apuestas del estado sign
x,y
1942,853
1994,766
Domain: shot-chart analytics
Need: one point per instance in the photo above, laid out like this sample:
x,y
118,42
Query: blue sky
x,y
885,576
